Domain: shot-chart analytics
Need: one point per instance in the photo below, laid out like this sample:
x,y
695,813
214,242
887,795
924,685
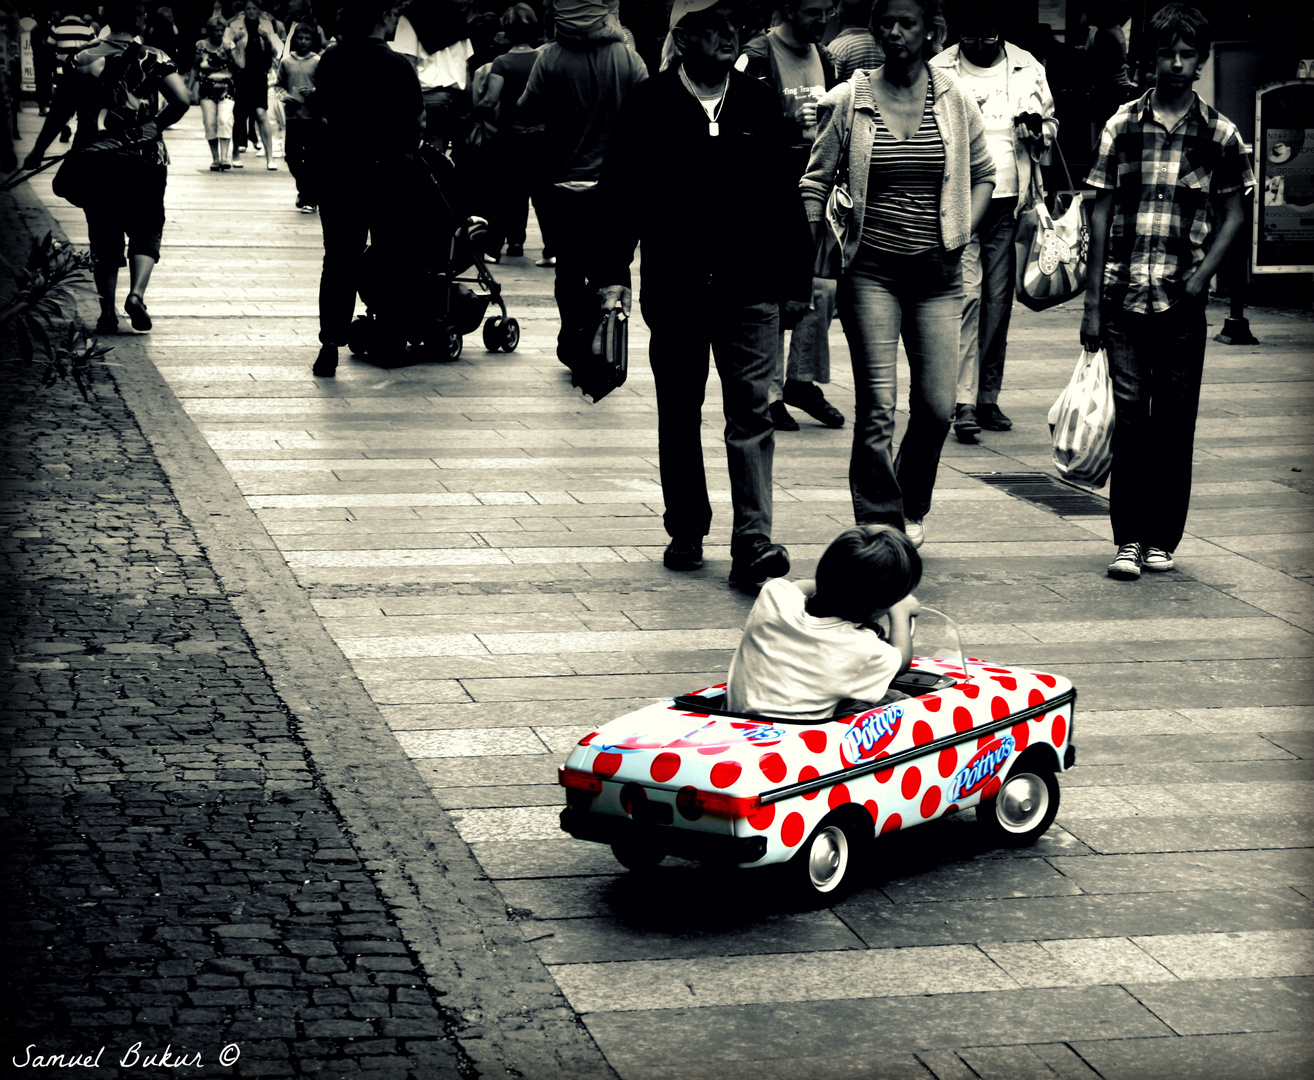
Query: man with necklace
x,y
698,161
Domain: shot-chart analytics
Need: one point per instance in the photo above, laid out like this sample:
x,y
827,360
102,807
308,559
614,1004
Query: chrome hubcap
x,y
827,858
1022,802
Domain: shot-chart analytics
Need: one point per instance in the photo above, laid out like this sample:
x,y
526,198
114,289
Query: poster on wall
x,y
1284,170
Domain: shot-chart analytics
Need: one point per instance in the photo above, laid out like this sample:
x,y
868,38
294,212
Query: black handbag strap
x,y
843,163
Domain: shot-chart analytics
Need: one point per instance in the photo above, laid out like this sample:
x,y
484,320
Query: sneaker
x,y
272,166
236,163
763,562
683,553
1126,565
808,397
916,532
991,418
326,363
966,427
494,258
1157,560
780,418
547,260
515,251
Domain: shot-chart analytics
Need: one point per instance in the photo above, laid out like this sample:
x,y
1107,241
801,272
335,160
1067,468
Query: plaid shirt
x,y
1166,198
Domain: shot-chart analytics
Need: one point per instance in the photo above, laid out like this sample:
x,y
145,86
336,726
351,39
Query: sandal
x,y
137,313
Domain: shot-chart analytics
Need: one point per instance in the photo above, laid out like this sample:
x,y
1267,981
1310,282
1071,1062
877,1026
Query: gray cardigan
x,y
967,158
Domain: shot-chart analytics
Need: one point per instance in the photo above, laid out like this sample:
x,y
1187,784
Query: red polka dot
x,y
725,773
762,818
1048,680
589,738
804,775
999,708
930,801
962,719
991,788
884,775
873,810
664,766
1036,697
982,740
911,783
1022,734
791,831
839,796
952,808
710,750
773,767
1059,730
1006,681
969,688
948,761
814,741
996,670
607,764
922,733
932,703
893,823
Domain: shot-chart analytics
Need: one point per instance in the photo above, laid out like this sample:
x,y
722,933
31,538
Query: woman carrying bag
x,y
920,177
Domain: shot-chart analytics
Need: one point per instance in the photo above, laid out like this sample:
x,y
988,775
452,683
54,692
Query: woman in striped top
x,y
920,175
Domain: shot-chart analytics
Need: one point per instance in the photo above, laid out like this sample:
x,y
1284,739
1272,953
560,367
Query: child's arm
x,y
1233,219
901,635
1100,215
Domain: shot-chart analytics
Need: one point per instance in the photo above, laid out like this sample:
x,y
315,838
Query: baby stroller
x,y
424,297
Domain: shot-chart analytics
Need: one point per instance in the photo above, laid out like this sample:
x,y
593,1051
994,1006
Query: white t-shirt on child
x,y
790,663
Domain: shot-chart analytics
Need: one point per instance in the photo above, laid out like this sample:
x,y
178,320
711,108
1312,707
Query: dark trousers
x,y
510,173
989,273
299,151
742,339
1156,363
571,220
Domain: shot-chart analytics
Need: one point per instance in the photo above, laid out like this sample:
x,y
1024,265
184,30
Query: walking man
x,y
1170,174
789,59
698,161
1010,87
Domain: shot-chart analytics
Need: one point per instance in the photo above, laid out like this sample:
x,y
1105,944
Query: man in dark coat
x,y
699,172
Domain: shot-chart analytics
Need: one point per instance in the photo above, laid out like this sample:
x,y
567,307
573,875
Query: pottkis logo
x,y
978,772
870,733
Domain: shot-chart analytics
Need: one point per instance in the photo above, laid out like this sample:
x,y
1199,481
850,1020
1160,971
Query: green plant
x,y
44,332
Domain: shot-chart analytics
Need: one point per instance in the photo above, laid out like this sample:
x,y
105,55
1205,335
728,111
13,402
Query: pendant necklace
x,y
713,128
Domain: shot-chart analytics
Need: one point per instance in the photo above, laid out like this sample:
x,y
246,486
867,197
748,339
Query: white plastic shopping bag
x,y
1081,421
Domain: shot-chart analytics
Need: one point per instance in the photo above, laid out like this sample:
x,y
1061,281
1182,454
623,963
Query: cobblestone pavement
x,y
453,571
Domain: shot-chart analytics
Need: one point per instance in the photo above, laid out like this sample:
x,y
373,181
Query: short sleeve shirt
x,y
1167,188
119,92
793,664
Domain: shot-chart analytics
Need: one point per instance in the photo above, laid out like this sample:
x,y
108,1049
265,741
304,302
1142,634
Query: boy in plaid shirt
x,y
1169,175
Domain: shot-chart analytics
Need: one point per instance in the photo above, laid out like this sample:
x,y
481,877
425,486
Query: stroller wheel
x,y
501,335
360,335
454,342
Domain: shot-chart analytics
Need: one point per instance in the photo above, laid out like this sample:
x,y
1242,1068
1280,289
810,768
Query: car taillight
x,y
578,780
693,803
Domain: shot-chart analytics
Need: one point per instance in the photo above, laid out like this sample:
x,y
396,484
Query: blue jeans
x,y
742,340
1156,364
989,273
881,297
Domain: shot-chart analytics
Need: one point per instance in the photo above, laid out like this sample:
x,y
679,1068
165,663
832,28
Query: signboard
x,y
1284,173
27,63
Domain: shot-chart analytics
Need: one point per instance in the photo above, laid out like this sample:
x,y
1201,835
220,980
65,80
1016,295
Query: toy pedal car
x,y
686,777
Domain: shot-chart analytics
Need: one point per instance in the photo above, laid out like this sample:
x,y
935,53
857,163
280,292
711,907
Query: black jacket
x,y
723,210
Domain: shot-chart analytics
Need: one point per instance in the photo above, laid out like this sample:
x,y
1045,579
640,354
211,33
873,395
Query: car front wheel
x,y
1023,809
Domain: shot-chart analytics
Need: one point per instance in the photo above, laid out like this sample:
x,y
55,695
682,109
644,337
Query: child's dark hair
x,y
1174,21
520,24
866,570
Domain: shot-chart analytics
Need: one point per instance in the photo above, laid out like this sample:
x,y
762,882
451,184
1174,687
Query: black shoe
x,y
765,561
135,306
684,553
966,427
780,418
990,418
326,363
808,397
515,251
108,323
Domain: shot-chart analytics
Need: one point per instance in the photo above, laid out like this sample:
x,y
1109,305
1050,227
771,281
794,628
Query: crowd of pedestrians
x,y
711,147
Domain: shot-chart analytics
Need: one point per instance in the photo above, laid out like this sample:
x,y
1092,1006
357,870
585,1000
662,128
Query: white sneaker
x,y
1157,560
1126,565
915,532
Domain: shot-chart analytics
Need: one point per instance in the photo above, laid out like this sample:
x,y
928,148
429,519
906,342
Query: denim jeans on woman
x,y
882,297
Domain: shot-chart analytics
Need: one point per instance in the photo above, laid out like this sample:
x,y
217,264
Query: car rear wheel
x,y
1023,809
636,855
